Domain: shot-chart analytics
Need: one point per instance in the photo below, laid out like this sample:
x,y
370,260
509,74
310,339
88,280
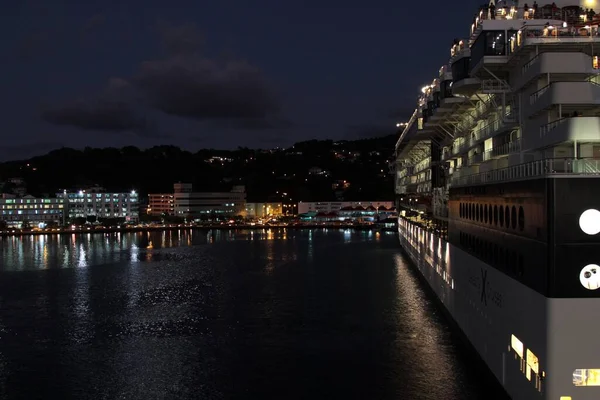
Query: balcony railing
x,y
476,158
554,34
536,95
530,63
504,149
534,169
544,129
423,165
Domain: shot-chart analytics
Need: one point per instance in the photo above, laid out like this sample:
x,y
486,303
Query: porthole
x,y
507,216
590,277
496,215
513,217
521,219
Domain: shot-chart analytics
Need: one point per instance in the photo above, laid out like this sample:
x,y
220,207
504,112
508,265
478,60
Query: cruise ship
x,y
498,192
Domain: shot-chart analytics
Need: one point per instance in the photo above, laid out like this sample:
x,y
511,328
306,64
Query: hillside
x,y
307,171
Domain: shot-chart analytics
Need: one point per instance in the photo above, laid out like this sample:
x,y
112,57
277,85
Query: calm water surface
x,y
224,315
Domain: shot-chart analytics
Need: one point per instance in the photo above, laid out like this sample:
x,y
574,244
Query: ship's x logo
x,y
483,282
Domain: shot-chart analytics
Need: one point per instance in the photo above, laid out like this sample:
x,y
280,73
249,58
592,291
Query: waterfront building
x,y
190,204
498,181
335,206
29,210
95,202
161,204
262,210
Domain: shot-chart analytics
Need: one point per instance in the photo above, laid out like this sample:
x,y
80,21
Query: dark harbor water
x,y
224,315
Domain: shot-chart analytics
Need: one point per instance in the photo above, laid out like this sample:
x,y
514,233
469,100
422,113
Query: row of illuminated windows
x,y
33,217
503,216
30,206
107,200
100,195
98,210
31,212
30,201
508,260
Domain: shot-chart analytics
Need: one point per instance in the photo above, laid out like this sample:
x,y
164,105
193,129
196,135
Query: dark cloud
x,y
94,115
205,89
110,111
228,92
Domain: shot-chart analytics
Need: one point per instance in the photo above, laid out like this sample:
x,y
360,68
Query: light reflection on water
x,y
222,314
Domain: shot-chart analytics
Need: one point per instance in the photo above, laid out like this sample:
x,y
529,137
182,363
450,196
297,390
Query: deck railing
x,y
534,169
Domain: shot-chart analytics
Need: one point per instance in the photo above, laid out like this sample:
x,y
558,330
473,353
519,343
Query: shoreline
x,y
203,227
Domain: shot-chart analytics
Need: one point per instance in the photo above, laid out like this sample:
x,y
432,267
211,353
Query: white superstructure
x,y
497,187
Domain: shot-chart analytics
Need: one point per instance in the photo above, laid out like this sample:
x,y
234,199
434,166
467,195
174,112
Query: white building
x,y
335,206
33,211
96,203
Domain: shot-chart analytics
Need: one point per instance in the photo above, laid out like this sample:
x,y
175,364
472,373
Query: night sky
x,y
218,74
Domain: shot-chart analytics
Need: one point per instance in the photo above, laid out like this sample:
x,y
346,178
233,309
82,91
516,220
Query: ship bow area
x,y
574,302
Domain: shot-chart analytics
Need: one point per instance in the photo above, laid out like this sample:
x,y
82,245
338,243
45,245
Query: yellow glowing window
x,y
586,377
517,345
595,62
565,398
533,361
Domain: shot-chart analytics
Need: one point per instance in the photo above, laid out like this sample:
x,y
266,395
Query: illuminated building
x,y
161,204
191,204
16,211
335,206
96,204
262,210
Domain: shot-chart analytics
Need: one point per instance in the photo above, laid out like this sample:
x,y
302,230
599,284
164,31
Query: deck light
x,y
589,221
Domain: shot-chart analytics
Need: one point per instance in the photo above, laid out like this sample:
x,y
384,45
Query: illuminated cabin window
x,y
517,345
566,398
586,377
533,362
595,62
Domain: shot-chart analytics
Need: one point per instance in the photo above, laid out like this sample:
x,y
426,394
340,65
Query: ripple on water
x,y
236,315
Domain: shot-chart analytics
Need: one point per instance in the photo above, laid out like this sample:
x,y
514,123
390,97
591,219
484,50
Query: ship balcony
x,y
566,93
481,134
466,86
422,165
424,187
556,38
503,150
447,104
406,189
565,130
489,62
476,159
559,64
551,167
